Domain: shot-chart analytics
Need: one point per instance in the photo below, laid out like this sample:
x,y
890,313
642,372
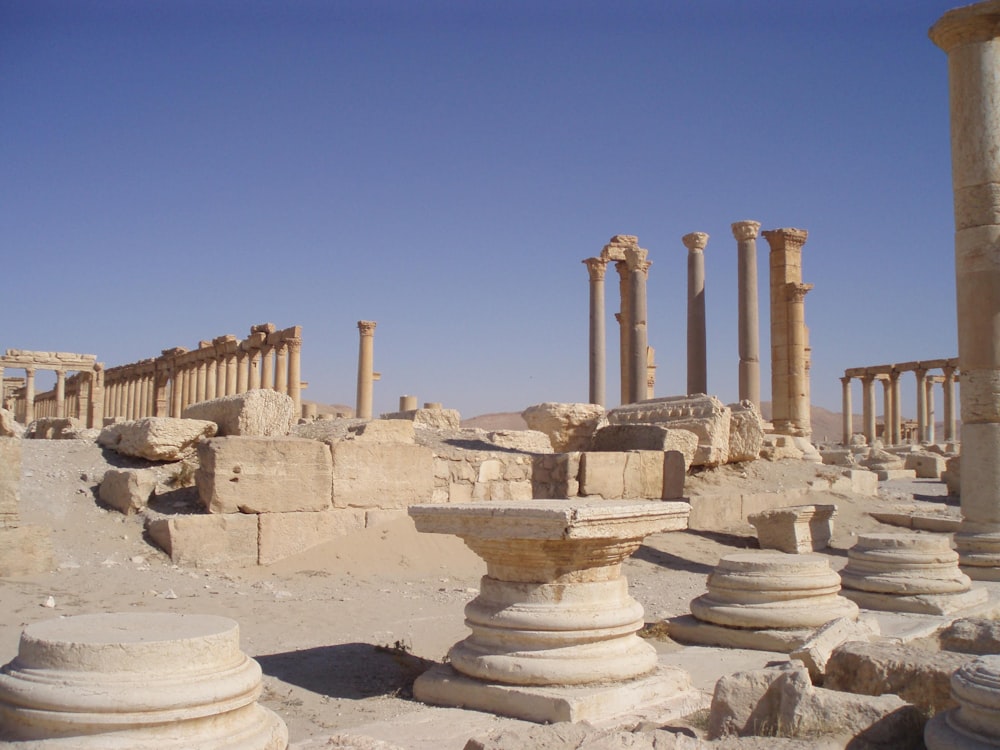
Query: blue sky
x,y
175,171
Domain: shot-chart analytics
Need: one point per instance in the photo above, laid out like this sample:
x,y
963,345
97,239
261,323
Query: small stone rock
x,y
50,602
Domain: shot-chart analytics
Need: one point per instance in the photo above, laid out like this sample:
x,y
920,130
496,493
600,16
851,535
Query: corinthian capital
x,y
695,241
797,292
745,230
596,267
367,327
635,257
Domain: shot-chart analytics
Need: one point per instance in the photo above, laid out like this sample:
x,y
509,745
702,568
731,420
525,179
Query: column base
x,y
920,604
978,547
689,630
441,685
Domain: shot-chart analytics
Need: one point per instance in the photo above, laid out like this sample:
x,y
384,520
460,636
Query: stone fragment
x,y
570,427
926,465
10,481
127,490
879,460
970,635
263,475
431,419
746,432
777,447
142,681
952,475
815,653
259,413
156,438
54,428
646,437
207,541
370,474
975,723
916,675
796,530
383,431
10,427
566,736
743,703
703,415
282,535
527,441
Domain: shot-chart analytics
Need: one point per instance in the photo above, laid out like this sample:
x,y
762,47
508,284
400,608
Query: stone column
x,y
798,366
97,397
231,376
242,371
921,375
267,368
295,373
202,375
638,266
868,406
60,394
596,268
281,368
971,37
897,409
175,391
697,362
624,319
366,368
930,432
130,398
210,379
949,405
745,233
848,417
29,395
255,380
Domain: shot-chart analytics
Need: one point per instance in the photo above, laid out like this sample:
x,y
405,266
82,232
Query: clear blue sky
x,y
175,171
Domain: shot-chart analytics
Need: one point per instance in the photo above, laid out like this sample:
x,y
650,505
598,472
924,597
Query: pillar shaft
x,y
697,361
29,395
930,432
868,407
798,360
624,318
60,394
745,233
847,409
281,369
921,405
210,379
897,409
267,368
366,368
949,404
886,411
597,359
639,269
242,371
295,373
255,379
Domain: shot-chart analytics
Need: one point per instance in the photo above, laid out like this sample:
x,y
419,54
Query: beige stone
x,y
644,437
743,703
207,541
10,480
603,474
383,431
260,413
777,447
975,723
263,475
815,653
431,419
282,535
926,465
9,426
143,681
25,550
746,432
53,428
527,441
570,427
797,529
157,438
384,475
127,490
703,415
971,636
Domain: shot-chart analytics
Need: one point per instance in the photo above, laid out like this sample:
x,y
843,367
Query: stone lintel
x,y
443,686
264,328
615,249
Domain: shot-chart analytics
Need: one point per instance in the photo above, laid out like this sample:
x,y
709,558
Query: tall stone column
x,y
624,318
202,375
745,233
971,37
930,409
847,408
596,268
697,360
949,405
60,394
897,409
29,395
798,364
97,397
255,380
130,398
267,368
211,376
295,373
886,411
868,407
921,375
242,371
638,266
366,368
231,376
281,368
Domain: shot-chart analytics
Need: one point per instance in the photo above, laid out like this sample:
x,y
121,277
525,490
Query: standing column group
x,y
366,368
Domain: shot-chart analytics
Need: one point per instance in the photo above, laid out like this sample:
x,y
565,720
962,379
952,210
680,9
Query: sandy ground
x,y
341,630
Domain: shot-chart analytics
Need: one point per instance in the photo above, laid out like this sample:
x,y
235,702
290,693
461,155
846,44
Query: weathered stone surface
x,y
156,438
927,465
344,742
703,415
796,530
975,723
207,541
10,427
261,413
431,419
916,675
952,475
746,432
282,535
645,437
528,441
263,475
777,447
53,428
383,475
878,460
674,475
650,475
383,431
815,653
127,490
25,550
971,635
10,480
743,703
570,427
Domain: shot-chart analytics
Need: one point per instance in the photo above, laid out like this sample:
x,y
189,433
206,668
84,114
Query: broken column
x,y
143,681
366,368
971,38
553,627
975,723
745,233
697,363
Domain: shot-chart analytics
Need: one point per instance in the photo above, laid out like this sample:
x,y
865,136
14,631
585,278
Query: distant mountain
x,y
502,421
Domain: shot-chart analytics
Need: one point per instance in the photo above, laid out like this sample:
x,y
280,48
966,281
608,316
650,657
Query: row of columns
x,y
888,376
77,396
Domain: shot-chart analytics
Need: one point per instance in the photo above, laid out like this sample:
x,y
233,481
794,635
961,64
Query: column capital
x,y
294,344
695,241
367,327
745,230
846,379
786,238
635,258
968,25
797,292
596,268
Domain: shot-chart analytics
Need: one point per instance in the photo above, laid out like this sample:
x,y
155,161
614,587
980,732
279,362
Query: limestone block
x,y
838,457
862,482
570,427
431,419
926,465
653,437
54,428
815,653
282,535
971,636
383,431
127,490
207,541
261,412
746,432
156,438
674,475
383,475
952,475
25,550
886,475
10,427
10,480
703,415
916,675
743,703
556,475
528,441
603,474
882,460
797,529
777,447
263,474
135,680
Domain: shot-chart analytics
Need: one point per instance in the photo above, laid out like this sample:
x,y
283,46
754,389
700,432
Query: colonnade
x,y
78,396
888,375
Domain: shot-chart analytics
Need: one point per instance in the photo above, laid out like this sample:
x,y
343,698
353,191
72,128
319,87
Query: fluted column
x,y
267,368
29,395
366,368
295,373
635,257
242,371
897,408
847,408
97,397
930,432
624,318
949,405
596,268
255,381
231,376
697,361
868,407
745,233
798,371
201,370
921,375
211,375
281,368
886,411
60,394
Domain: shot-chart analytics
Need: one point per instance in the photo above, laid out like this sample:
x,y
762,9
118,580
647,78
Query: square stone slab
x,y
688,629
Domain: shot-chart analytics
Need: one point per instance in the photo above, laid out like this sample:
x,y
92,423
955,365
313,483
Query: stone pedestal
x,y
553,628
795,530
135,680
769,601
975,724
907,573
